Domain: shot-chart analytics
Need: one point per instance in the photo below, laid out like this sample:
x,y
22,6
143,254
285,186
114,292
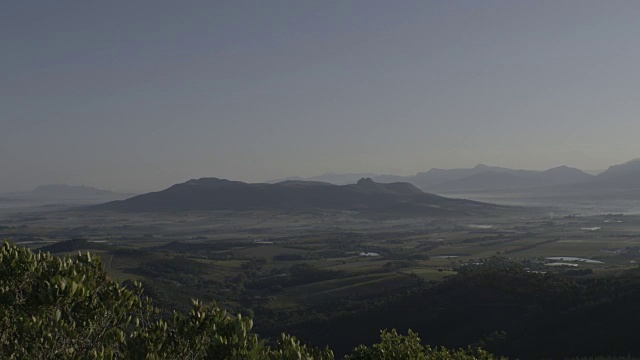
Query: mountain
x,y
69,192
365,196
564,175
438,176
618,179
502,178
332,178
479,177
483,177
618,182
483,181
59,196
614,190
623,175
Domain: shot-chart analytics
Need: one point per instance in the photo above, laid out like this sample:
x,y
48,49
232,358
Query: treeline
x,y
536,315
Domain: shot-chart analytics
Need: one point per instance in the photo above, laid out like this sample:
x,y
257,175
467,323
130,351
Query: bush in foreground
x,y
64,308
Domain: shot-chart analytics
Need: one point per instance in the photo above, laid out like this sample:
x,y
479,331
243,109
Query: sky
x,y
138,95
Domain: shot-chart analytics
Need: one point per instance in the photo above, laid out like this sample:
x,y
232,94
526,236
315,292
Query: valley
x,y
504,268
294,271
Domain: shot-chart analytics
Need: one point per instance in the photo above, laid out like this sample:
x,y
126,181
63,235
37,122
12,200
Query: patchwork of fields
x,y
290,270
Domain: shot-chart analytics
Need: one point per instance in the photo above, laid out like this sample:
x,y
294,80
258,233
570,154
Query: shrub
x,y
64,308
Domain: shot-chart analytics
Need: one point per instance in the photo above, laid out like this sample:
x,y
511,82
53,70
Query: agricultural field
x,y
286,269
355,255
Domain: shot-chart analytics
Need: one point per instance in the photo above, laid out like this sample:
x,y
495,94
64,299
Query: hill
x,y
622,175
365,196
67,246
479,177
564,175
332,178
48,197
68,191
511,311
65,193
484,181
502,178
617,183
54,308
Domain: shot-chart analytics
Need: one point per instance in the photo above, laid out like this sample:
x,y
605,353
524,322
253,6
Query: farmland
x,y
288,269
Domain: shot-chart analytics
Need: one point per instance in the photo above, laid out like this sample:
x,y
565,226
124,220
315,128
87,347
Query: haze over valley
x,y
564,188
320,180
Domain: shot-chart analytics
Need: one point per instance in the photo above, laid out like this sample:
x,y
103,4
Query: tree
x,y
394,346
64,308
54,308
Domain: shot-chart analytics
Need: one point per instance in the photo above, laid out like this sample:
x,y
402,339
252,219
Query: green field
x,y
290,263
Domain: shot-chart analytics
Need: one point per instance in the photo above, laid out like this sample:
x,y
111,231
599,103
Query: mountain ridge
x,y
365,196
58,193
436,178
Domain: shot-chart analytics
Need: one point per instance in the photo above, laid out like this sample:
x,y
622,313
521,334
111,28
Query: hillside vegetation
x,y
64,308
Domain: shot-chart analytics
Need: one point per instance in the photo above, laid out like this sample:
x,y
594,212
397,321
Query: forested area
x,y
64,308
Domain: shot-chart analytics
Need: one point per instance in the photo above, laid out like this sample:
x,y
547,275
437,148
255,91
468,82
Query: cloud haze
x,y
140,95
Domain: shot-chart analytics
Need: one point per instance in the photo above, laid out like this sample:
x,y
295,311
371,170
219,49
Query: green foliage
x,y
394,346
64,308
60,308
54,308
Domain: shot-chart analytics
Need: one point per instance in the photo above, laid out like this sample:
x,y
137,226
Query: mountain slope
x,y
615,190
59,195
332,178
624,175
620,180
364,196
484,181
563,175
501,178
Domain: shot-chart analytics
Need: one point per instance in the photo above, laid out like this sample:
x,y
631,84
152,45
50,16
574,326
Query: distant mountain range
x,y
484,177
365,196
614,189
62,193
69,192
332,178
368,192
619,183
480,177
491,178
623,175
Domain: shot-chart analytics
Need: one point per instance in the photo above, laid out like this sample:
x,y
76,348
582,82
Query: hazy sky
x,y
138,95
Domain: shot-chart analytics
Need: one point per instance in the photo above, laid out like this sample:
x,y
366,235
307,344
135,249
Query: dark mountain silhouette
x,y
332,178
365,196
